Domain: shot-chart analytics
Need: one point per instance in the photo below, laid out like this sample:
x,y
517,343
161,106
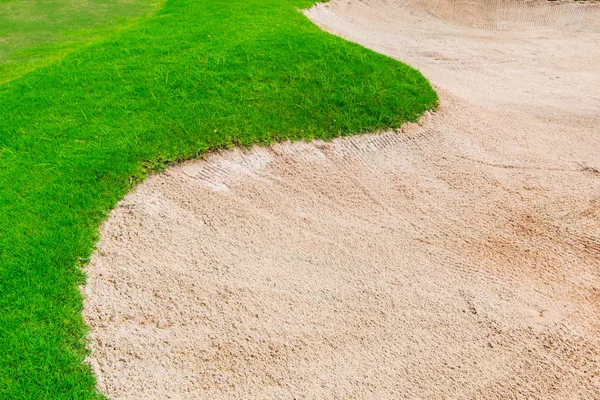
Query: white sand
x,y
457,259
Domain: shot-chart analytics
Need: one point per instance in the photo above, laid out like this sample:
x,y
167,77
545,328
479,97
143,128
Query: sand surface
x,y
456,259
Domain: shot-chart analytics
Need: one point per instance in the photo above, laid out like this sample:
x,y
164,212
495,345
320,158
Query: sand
x,y
457,258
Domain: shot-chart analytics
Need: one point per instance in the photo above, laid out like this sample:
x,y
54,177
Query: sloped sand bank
x,y
457,259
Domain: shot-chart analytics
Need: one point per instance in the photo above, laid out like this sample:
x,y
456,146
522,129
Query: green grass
x,y
37,32
76,134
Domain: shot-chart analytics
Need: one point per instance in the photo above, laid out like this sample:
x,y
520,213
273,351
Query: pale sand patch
x,y
458,259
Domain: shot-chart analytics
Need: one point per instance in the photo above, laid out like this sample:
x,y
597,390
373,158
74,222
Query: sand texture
x,y
455,259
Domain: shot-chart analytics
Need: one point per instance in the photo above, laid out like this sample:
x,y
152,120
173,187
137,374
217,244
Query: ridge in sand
x,y
457,258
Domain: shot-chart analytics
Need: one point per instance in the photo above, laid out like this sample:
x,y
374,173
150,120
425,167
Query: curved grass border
x,y
75,136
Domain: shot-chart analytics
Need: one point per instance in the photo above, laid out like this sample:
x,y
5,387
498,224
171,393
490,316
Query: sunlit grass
x,y
37,32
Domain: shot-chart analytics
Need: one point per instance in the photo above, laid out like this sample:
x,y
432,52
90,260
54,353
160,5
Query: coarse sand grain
x,y
456,258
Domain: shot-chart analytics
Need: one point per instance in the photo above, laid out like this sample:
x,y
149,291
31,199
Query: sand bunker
x,y
504,15
457,259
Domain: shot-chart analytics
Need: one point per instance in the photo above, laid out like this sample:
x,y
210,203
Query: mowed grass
x,y
37,32
77,134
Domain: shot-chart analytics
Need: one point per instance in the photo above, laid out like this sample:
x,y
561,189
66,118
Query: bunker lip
x,y
458,256
505,15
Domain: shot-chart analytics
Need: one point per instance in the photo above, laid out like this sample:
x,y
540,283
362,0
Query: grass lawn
x,y
77,133
37,32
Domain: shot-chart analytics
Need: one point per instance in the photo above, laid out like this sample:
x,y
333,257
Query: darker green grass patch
x,y
77,134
